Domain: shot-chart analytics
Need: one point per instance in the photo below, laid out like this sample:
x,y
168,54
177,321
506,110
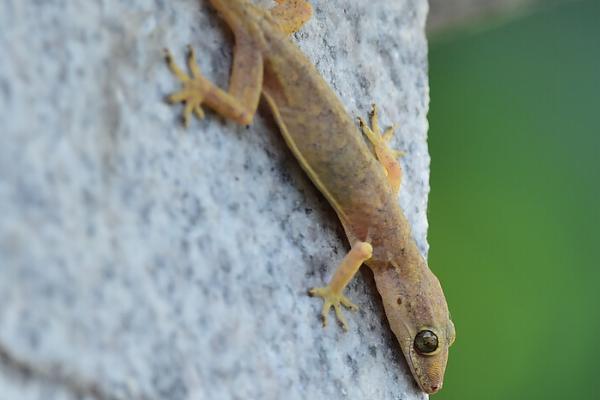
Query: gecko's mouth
x,y
431,381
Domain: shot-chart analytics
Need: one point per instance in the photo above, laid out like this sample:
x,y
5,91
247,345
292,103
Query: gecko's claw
x,y
194,86
333,299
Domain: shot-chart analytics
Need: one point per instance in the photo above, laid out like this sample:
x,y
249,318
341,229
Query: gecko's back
x,y
327,142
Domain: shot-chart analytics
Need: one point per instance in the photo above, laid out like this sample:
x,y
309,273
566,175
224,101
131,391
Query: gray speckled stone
x,y
141,261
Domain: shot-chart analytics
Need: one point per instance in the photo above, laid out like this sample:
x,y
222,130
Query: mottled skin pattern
x,y
336,156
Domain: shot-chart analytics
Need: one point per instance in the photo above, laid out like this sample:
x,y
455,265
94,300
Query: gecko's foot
x,y
333,299
195,86
379,139
387,156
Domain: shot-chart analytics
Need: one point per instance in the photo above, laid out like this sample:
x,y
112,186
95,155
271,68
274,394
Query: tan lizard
x,y
360,182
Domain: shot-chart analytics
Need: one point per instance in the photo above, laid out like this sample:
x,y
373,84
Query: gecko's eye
x,y
426,342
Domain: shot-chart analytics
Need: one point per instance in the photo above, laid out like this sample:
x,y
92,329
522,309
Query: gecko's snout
x,y
434,388
431,387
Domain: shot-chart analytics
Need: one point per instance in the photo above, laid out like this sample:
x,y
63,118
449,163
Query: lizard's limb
x,y
239,103
332,294
291,14
387,156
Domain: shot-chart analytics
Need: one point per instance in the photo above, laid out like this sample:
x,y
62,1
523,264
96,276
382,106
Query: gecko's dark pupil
x,y
426,342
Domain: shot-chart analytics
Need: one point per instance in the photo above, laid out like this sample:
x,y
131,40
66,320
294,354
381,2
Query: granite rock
x,y
140,260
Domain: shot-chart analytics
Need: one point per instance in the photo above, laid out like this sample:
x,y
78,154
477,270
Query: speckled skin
x,y
334,154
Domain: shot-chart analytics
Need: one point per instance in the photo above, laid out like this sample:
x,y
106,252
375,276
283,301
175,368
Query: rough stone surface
x,y
142,261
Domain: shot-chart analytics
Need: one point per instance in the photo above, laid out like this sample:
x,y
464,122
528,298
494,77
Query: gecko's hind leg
x,y
332,294
291,14
387,156
195,87
239,103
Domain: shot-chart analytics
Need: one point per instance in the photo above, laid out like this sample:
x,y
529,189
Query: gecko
x,y
355,169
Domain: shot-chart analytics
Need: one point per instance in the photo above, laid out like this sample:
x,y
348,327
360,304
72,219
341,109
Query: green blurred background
x,y
514,207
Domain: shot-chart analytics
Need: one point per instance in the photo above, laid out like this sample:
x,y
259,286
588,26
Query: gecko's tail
x,y
287,15
237,9
291,14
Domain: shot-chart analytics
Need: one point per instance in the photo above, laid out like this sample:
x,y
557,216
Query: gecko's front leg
x,y
387,156
332,294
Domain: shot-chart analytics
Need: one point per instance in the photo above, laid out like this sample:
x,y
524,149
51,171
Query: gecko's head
x,y
418,314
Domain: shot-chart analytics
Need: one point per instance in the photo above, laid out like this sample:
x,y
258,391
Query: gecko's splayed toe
x,y
333,299
194,88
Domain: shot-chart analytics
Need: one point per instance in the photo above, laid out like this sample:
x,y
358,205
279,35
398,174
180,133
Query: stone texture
x,y
142,261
